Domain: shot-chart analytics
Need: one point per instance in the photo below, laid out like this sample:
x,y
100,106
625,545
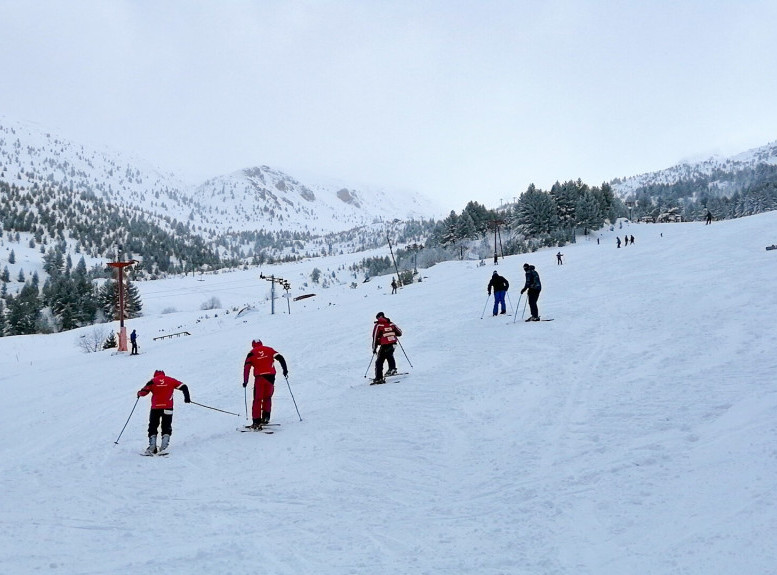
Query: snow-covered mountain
x,y
692,170
237,201
257,198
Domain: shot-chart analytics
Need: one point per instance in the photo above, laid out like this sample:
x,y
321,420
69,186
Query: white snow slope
x,y
635,434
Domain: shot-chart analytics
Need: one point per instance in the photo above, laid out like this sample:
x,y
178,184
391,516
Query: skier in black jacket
x,y
500,286
533,286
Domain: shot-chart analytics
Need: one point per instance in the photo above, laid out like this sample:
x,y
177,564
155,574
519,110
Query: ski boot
x,y
265,417
165,443
391,372
256,424
151,449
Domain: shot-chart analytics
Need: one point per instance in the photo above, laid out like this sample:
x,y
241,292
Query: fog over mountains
x,y
255,198
691,170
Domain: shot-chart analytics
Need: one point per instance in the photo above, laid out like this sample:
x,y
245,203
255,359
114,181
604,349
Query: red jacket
x,y
262,359
161,388
384,333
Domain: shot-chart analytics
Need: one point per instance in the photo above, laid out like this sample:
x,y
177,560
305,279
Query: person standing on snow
x,y
262,359
161,388
559,261
533,286
134,342
384,338
500,285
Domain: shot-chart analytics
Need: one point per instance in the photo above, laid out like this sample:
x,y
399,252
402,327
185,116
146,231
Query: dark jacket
x,y
498,283
532,280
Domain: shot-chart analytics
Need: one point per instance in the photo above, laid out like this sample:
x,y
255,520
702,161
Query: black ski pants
x,y
533,295
385,353
165,416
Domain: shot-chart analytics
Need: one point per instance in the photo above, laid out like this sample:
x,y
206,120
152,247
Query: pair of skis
x,y
387,377
260,429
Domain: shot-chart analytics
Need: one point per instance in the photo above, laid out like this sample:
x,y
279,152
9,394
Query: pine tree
x,y
3,321
23,311
536,213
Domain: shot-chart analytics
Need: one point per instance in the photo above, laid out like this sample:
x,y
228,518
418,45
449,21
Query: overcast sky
x,y
459,100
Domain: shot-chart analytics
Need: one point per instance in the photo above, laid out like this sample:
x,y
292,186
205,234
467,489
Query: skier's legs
x,y
533,296
392,365
167,422
381,357
264,387
499,298
154,417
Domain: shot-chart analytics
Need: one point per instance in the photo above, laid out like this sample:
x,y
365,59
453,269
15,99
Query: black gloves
x,y
245,384
285,373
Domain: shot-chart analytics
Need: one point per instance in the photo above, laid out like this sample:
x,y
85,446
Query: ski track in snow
x,y
633,434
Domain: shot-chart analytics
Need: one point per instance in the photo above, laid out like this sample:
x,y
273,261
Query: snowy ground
x,y
635,434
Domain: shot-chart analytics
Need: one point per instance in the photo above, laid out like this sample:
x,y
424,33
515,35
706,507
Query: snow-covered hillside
x,y
632,434
694,169
252,199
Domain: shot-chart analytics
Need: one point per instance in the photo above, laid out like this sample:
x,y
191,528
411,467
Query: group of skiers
x,y
261,359
161,386
532,288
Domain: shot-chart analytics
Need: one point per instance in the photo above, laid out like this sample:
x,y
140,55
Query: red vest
x,y
385,332
161,388
262,359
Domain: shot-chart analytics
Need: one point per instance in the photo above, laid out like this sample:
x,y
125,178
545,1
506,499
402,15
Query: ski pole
x,y
515,315
369,364
523,313
403,351
125,425
485,305
292,397
245,398
214,408
509,300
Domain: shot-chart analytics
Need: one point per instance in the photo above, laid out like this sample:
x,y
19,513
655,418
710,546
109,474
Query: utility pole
x,y
120,308
495,223
388,239
284,284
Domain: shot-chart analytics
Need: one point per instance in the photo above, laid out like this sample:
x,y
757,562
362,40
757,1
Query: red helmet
x,y
159,373
256,342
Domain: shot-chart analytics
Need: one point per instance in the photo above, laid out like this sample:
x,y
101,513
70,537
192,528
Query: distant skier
x,y
632,240
384,338
533,286
161,388
134,342
618,240
262,359
500,285
708,218
393,285
559,261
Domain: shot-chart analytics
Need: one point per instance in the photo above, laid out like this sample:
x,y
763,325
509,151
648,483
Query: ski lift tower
x,y
284,284
120,308
495,223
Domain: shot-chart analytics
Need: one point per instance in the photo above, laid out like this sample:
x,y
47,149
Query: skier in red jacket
x,y
384,338
161,388
262,359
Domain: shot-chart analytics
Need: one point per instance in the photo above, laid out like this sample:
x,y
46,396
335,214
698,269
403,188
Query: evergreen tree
x,y
536,213
587,212
23,311
12,257
3,321
5,277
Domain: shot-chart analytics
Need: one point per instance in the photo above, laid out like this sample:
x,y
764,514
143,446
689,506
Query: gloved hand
x,y
140,394
285,373
245,384
523,290
187,399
